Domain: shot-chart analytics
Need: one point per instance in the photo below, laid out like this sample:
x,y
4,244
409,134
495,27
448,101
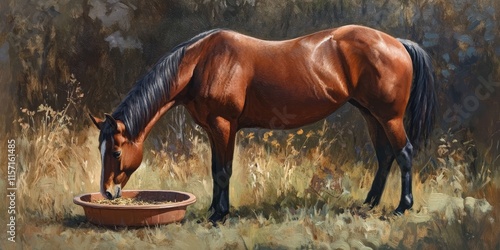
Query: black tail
x,y
421,110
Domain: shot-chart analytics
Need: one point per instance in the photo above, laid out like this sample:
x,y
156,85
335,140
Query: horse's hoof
x,y
405,204
400,210
218,217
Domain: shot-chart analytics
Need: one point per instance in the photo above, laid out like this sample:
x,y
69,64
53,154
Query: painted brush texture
x,y
299,188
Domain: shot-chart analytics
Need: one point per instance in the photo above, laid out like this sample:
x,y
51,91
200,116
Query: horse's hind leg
x,y
385,157
403,151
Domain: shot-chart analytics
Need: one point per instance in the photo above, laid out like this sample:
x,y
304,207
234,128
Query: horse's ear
x,y
111,121
97,121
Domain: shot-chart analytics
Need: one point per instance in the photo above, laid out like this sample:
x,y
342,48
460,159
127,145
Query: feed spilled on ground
x,y
132,201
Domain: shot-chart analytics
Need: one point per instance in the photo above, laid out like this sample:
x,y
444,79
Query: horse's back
x,y
278,77
298,81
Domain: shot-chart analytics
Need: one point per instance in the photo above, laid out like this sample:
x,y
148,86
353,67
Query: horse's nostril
x,y
109,195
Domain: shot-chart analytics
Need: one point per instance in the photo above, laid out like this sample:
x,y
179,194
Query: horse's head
x,y
120,157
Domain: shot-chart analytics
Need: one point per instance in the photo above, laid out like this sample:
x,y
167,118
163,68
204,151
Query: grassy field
x,y
290,189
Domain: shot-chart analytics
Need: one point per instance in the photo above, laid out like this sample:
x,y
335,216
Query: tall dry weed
x,y
54,159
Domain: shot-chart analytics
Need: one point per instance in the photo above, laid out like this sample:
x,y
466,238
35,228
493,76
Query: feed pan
x,y
137,215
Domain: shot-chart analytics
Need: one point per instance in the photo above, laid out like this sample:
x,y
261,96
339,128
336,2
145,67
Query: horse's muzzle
x,y
108,195
113,192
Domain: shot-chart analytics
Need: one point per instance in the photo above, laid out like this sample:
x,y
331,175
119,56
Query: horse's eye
x,y
117,154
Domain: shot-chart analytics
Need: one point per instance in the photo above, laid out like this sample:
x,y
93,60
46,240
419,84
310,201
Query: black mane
x,y
152,91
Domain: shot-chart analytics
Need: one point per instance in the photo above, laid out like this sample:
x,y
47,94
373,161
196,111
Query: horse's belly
x,y
284,113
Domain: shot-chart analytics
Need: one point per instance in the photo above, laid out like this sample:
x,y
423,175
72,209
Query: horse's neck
x,y
185,73
144,134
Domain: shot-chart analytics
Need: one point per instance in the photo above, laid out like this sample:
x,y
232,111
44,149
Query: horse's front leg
x,y
221,174
222,138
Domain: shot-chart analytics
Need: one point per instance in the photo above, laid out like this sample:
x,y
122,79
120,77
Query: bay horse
x,y
228,81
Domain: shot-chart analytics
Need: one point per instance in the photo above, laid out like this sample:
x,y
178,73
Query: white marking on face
x,y
103,153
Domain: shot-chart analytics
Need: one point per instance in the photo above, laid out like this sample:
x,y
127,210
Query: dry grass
x,y
287,191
